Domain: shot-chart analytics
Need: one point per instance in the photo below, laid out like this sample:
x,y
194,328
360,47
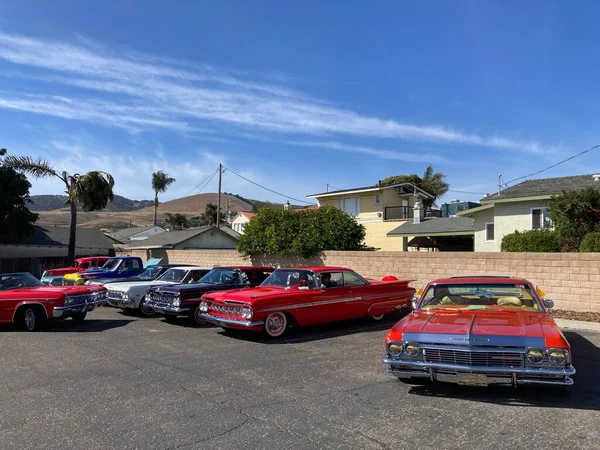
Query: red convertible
x,y
480,330
305,296
24,300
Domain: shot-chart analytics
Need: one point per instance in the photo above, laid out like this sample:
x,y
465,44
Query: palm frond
x,y
92,190
39,168
161,181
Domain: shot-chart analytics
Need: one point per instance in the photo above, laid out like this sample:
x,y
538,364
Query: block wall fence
x,y
572,280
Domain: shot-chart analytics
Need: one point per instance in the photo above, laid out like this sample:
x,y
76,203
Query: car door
x,y
327,304
130,268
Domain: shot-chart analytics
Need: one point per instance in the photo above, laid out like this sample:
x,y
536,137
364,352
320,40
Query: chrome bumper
x,y
69,310
121,303
166,307
495,375
225,323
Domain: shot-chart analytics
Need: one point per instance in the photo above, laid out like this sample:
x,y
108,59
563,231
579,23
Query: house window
x,y
540,219
489,231
349,205
377,199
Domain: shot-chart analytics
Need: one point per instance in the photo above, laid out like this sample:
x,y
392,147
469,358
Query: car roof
x,y
319,269
496,279
191,268
263,268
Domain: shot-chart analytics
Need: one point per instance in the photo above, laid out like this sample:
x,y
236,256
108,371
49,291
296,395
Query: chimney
x,y
287,205
419,212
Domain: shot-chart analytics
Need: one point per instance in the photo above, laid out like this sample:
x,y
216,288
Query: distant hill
x,y
113,218
54,202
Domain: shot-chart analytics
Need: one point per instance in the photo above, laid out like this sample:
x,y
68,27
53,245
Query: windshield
x,y
223,276
301,279
150,273
480,296
111,264
173,275
17,280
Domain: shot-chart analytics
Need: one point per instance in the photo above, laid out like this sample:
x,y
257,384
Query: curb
x,y
578,325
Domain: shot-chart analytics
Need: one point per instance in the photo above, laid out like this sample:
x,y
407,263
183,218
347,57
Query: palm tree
x,y
434,184
92,191
160,182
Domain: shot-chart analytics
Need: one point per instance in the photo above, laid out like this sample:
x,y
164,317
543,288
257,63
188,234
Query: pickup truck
x,y
54,276
116,267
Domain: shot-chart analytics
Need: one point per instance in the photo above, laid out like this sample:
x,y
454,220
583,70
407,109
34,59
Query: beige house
x,y
380,209
191,238
521,207
240,221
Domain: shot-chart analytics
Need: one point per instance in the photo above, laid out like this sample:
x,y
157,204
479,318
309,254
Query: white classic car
x,y
131,295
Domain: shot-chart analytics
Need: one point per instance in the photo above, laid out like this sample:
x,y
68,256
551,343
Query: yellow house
x,y
379,208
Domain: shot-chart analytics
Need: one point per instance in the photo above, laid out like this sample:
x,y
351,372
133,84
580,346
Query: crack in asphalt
x,y
381,444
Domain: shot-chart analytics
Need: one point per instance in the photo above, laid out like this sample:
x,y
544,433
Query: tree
x,y
92,191
15,218
176,220
160,183
575,214
431,182
209,217
303,233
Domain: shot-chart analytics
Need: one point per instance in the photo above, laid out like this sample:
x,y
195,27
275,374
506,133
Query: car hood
x,y
195,287
256,294
479,327
136,284
59,272
49,291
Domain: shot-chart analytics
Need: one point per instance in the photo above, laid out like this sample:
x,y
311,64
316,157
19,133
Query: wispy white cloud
x,y
148,92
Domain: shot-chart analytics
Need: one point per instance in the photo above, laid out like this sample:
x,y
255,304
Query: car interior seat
x,y
509,301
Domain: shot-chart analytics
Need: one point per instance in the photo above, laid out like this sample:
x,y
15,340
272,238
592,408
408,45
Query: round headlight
x,y
246,313
395,350
203,306
68,300
177,301
411,349
557,357
535,355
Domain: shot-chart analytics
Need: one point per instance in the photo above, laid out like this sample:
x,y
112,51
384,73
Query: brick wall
x,y
572,280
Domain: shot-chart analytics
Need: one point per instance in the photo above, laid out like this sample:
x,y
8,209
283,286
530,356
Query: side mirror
x,y
548,303
414,302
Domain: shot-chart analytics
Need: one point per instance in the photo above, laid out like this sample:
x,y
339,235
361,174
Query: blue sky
x,y
295,95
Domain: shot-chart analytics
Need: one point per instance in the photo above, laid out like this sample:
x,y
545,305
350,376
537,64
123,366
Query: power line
x,y
267,189
553,165
466,192
206,180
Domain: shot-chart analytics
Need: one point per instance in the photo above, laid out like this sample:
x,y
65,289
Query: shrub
x,y
543,241
590,243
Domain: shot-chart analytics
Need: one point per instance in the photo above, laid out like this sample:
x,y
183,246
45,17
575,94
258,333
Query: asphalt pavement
x,y
124,382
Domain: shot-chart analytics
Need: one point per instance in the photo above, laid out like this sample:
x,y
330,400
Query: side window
x,y
85,265
352,279
489,231
135,264
331,279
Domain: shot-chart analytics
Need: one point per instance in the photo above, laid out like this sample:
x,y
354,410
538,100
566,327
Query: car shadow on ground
x,y
87,326
296,335
584,394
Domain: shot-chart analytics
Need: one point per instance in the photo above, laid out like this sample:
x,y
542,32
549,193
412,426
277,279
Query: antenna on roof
x,y
499,183
327,187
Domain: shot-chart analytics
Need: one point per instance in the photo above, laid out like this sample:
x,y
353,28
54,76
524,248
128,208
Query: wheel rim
x,y
199,320
378,317
30,319
275,324
146,310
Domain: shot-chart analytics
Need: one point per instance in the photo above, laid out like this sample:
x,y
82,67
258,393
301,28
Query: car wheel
x,y
377,317
276,324
79,317
195,316
33,318
145,310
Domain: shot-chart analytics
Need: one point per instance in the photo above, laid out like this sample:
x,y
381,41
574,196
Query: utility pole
x,y
219,198
327,187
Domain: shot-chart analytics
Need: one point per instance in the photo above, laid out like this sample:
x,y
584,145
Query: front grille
x,y
80,299
163,299
226,310
478,358
115,295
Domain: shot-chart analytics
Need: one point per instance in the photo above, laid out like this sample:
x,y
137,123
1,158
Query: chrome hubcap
x,y
379,317
276,324
147,310
29,319
199,320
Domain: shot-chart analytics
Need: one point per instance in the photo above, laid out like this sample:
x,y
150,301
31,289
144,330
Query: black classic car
x,y
151,273
183,300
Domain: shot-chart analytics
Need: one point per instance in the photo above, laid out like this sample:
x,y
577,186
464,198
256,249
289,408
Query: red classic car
x,y
25,300
480,330
305,296
79,265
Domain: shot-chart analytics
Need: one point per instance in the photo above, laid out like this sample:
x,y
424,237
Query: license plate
x,y
473,379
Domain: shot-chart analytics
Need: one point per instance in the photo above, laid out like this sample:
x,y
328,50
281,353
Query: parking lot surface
x,y
123,382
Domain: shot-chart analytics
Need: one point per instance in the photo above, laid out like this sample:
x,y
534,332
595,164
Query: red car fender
x,y
31,302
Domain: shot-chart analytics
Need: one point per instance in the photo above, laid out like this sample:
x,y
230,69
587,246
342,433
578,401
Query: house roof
x,y
436,226
376,187
247,214
129,232
59,237
545,187
169,239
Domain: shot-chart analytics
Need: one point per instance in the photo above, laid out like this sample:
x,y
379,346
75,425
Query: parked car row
x,y
471,330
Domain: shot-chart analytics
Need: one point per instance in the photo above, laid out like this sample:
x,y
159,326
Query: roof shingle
x,y
59,237
435,225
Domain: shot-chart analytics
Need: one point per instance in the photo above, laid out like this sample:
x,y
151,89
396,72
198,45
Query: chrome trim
x,y
163,307
120,303
481,339
225,322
